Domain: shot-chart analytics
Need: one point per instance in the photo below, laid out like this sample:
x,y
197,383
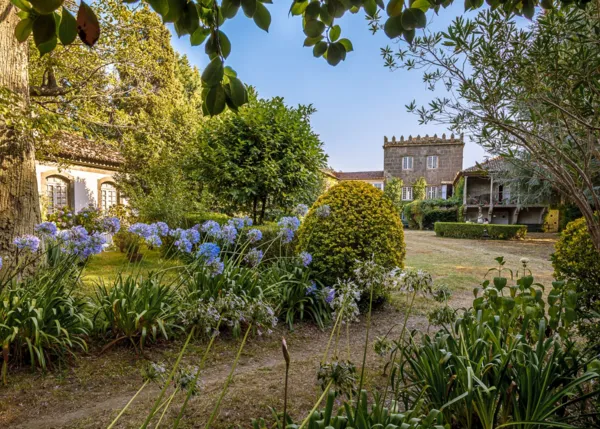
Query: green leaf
x,y
22,4
311,41
370,7
215,100
229,8
211,47
44,33
334,33
409,35
199,36
394,7
188,21
336,8
347,44
413,18
249,7
319,49
314,28
528,9
88,26
238,91
229,72
67,31
421,4
313,10
335,53
325,16
298,7
23,29
175,10
213,73
547,4
262,17
393,27
160,6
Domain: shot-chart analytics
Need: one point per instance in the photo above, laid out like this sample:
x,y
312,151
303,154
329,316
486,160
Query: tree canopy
x,y
264,157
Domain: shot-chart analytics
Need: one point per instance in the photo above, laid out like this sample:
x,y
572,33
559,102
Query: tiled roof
x,y
491,164
76,148
359,175
418,140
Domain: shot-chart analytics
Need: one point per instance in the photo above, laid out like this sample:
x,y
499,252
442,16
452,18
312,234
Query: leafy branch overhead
x,y
51,21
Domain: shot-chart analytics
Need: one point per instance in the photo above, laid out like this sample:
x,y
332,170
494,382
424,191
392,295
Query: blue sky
x,y
358,102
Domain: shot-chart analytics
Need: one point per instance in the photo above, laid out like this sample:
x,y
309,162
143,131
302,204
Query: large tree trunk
x,y
19,198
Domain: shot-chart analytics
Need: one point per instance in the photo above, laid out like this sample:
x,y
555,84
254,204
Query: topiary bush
x,y
352,221
577,260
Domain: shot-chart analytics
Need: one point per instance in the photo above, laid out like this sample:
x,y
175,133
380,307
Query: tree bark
x,y
19,198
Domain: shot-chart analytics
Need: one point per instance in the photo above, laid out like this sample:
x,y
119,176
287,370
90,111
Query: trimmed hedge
x,y
423,214
475,230
362,224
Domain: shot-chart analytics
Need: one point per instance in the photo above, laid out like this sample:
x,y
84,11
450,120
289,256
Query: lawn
x,y
91,392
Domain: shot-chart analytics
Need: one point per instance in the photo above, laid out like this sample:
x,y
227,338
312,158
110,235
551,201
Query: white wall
x,y
85,182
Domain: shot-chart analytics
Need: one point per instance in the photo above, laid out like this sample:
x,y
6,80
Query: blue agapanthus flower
x,y
312,289
290,222
237,222
305,258
161,228
184,245
301,210
154,240
287,235
211,228
229,234
177,233
323,211
27,242
253,257
0,262
329,295
215,267
46,230
254,235
248,221
192,235
208,251
141,229
111,224
78,242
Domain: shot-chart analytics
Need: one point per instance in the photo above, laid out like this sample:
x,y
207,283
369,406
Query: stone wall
x,y
449,152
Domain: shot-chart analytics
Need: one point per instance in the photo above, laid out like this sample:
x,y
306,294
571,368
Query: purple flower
x,y
111,225
253,257
184,245
330,295
229,234
306,258
291,222
141,229
287,235
0,262
215,267
154,241
211,228
301,210
312,289
192,235
161,228
27,242
46,229
236,222
78,242
248,221
208,251
254,235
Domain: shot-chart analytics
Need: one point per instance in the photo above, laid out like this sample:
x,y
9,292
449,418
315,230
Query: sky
x,y
358,102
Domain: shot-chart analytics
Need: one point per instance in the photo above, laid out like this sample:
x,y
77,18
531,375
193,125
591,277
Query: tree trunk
x,y
262,210
19,198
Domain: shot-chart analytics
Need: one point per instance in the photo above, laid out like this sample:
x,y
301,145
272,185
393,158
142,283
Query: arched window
x,y
57,192
109,196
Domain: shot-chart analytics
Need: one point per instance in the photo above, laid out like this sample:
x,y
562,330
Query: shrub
x,y
352,221
576,260
423,214
475,230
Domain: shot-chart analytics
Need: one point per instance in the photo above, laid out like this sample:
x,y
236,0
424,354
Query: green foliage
x,y
393,190
419,189
135,308
576,260
362,224
264,157
423,214
475,230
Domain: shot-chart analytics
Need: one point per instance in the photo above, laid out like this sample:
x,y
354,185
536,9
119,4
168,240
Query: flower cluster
x,y
111,225
28,243
301,210
323,211
312,289
236,222
291,222
208,251
229,234
345,301
305,258
46,230
185,239
211,228
253,257
420,281
287,235
254,235
77,241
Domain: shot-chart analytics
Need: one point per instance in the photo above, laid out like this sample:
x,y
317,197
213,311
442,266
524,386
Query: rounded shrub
x,y
576,259
352,221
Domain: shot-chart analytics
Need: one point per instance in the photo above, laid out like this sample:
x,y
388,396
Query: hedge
x,y
475,230
423,214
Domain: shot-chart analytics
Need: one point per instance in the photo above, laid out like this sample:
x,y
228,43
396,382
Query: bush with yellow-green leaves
x,y
352,221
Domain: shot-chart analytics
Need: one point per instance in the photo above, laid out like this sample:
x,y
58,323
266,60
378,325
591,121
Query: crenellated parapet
x,y
426,140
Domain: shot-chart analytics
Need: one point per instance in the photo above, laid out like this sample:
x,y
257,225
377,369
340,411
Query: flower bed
x,y
476,230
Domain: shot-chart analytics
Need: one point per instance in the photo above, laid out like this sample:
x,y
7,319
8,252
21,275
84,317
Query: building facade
x,y
486,200
81,174
375,178
436,159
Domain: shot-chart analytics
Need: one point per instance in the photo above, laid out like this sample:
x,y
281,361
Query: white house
x,y
82,173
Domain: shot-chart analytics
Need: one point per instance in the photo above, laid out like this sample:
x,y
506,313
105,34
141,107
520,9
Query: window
x,y
432,192
57,192
500,193
407,194
407,163
378,186
108,195
432,162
